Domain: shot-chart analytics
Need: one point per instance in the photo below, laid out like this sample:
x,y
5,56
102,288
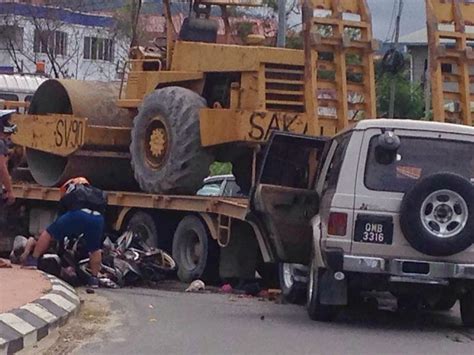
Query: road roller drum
x,y
77,130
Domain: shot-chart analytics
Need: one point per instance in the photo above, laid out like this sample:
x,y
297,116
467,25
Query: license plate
x,y
374,229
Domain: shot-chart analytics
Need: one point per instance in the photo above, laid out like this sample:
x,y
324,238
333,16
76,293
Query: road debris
x,y
195,286
227,288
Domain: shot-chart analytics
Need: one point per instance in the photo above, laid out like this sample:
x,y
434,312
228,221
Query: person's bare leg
x,y
42,244
95,262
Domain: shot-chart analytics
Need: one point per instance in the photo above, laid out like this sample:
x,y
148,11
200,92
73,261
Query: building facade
x,y
62,42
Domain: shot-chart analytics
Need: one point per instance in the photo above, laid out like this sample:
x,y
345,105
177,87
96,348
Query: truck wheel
x,y
436,215
144,224
316,310
292,286
166,151
195,252
467,309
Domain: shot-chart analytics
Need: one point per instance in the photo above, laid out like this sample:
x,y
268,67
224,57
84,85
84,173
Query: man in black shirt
x,y
6,130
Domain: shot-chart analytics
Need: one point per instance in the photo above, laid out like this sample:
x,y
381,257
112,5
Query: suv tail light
x,y
337,224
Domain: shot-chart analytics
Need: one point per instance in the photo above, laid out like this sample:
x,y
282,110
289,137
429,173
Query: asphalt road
x,y
162,322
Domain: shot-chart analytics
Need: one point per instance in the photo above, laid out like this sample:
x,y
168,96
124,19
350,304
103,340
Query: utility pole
x,y
136,6
281,36
391,107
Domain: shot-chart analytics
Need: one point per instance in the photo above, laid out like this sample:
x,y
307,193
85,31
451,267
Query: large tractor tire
x,y
166,152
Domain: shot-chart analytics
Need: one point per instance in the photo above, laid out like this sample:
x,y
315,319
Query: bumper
x,y
409,270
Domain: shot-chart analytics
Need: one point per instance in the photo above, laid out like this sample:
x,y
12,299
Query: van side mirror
x,y
386,148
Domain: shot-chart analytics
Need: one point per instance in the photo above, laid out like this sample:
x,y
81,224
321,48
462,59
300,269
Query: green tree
x,y
294,40
409,98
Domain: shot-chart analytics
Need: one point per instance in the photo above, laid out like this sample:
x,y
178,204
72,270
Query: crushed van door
x,y
284,199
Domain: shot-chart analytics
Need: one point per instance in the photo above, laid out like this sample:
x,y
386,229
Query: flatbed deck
x,y
231,207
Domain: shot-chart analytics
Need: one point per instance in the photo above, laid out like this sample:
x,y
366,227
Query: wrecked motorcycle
x,y
125,261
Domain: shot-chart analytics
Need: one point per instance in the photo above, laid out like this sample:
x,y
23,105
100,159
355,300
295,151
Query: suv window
x,y
334,171
418,157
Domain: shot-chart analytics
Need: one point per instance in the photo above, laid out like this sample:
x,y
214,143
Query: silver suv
x,y
387,205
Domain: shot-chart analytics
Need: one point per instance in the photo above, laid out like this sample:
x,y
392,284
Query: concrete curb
x,y
25,326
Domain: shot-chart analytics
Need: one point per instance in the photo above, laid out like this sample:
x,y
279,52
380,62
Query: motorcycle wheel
x,y
164,262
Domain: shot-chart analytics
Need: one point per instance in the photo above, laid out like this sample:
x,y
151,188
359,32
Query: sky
x,y
413,17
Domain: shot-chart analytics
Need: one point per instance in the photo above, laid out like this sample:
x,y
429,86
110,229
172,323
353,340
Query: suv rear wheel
x,y
467,309
445,302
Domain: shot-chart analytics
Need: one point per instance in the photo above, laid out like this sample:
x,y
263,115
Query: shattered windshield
x,y
416,158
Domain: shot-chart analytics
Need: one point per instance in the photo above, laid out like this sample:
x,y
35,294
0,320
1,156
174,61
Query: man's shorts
x,y
75,223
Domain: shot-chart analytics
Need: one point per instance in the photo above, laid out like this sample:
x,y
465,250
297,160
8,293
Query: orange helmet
x,y
71,182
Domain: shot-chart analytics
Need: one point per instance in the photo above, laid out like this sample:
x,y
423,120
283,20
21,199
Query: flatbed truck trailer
x,y
208,236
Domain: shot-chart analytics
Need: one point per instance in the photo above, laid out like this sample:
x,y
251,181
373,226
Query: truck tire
x,y
166,152
467,309
316,310
293,288
195,252
144,224
436,215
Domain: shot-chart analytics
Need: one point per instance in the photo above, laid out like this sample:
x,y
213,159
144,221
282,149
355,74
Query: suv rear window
x,y
418,157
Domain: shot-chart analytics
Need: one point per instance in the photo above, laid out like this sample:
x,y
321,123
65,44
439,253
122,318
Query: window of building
x,y
50,42
11,37
60,43
446,68
98,49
